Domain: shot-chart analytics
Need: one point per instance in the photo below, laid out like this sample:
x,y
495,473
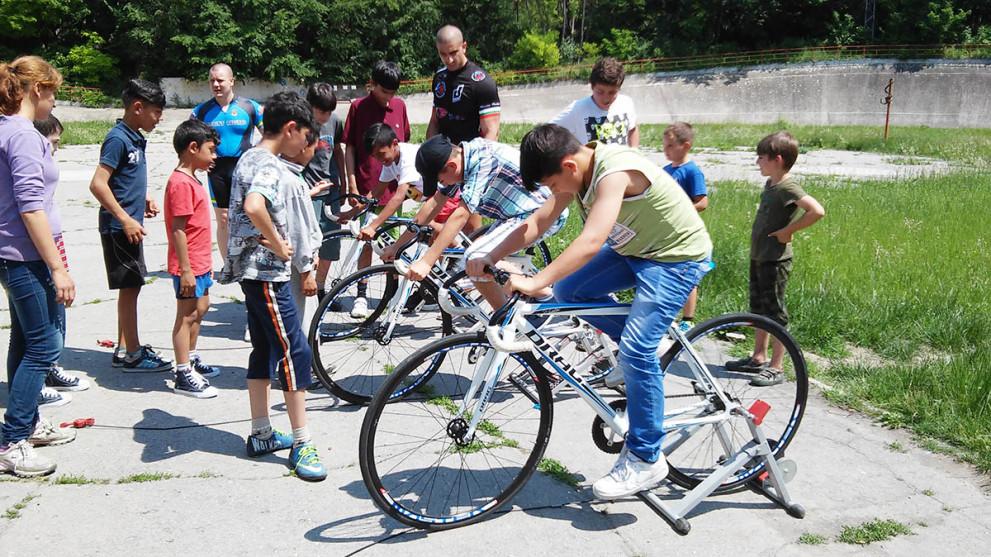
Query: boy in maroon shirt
x,y
379,106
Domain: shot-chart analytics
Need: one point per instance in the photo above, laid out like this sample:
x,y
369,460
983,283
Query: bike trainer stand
x,y
771,481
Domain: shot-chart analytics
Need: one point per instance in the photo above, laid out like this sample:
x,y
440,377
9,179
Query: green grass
x,y
897,267
71,479
875,531
558,471
147,477
967,145
15,511
812,539
85,133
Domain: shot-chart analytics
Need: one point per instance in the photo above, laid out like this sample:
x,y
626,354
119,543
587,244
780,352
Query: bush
x,y
623,45
536,50
86,65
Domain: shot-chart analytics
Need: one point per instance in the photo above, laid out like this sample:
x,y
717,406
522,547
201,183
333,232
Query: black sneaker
x,y
203,369
51,398
190,383
146,360
59,380
120,354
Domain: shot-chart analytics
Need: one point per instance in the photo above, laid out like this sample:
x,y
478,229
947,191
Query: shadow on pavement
x,y
96,364
226,319
166,435
374,527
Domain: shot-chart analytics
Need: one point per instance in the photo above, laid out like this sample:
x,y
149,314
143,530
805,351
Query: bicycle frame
x,y
501,338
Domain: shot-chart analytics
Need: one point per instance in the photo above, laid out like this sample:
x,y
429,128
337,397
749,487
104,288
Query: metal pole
x,y
887,101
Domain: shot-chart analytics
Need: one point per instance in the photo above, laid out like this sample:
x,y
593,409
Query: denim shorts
x,y
203,283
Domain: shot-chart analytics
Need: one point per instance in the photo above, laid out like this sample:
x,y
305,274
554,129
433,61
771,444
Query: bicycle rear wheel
x,y
718,341
416,460
354,354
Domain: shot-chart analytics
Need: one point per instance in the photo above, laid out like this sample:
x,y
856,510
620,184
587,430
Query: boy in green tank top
x,y
640,231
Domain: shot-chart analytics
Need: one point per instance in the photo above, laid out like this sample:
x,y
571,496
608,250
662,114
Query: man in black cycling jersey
x,y
235,119
466,100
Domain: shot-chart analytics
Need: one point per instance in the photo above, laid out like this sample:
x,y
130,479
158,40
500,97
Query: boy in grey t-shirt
x,y
258,255
324,172
770,250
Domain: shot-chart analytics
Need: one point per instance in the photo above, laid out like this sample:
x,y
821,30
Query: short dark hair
x,y
285,107
780,144
386,73
541,152
607,71
49,125
193,131
681,132
313,135
378,135
321,95
144,91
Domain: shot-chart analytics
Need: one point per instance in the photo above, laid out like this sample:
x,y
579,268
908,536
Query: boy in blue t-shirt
x,y
120,184
678,138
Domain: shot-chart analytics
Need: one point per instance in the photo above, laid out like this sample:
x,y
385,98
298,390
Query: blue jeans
x,y
662,289
37,326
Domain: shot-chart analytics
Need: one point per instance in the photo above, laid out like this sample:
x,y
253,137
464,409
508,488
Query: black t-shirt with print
x,y
461,99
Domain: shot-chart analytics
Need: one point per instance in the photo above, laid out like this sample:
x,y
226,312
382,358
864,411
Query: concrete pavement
x,y
218,500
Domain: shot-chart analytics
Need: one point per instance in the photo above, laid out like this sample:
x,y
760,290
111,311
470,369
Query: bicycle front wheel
x,y
720,343
366,325
417,459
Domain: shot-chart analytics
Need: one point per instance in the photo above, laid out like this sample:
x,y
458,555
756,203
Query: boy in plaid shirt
x,y
487,175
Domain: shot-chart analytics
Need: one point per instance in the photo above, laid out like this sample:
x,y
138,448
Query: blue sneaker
x,y
306,463
686,326
146,361
203,369
278,441
120,353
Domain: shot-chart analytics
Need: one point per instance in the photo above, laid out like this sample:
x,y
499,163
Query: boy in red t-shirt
x,y
187,222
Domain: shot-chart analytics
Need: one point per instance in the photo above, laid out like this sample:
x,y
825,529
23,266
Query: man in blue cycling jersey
x,y
235,119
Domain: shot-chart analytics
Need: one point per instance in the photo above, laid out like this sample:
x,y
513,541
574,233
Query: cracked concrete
x,y
847,473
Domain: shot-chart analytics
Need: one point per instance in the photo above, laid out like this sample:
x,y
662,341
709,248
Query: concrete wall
x,y
936,93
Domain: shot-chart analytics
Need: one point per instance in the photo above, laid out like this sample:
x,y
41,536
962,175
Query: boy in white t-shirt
x,y
606,116
398,162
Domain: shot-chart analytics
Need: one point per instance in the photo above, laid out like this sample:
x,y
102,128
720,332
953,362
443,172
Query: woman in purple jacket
x,y
37,284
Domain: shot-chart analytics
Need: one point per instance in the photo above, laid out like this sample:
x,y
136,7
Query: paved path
x,y
218,499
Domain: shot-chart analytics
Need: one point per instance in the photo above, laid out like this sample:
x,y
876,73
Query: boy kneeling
x,y
641,231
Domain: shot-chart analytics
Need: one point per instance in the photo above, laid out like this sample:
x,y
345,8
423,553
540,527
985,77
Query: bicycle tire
x,y
350,355
716,340
413,462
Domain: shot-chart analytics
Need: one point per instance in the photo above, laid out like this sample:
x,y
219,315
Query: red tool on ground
x,y
79,423
106,343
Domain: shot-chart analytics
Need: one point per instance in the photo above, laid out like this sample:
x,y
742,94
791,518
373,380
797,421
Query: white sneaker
x,y
51,398
615,378
47,434
360,308
247,334
23,461
630,475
